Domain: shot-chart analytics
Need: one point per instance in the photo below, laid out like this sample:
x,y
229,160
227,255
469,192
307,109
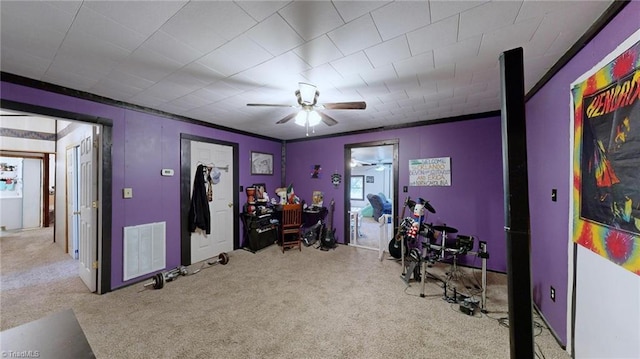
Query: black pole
x,y
516,204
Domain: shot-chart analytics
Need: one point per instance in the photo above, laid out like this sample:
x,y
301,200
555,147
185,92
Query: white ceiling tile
x,y
20,62
282,69
201,72
145,17
509,37
110,88
437,74
393,96
235,56
538,9
400,17
377,91
80,45
260,10
355,35
324,17
318,51
75,80
415,65
321,75
433,36
172,48
149,65
185,79
406,83
92,23
469,89
128,79
487,17
206,25
352,64
32,38
38,14
166,90
460,50
388,51
379,75
350,10
441,9
561,43
275,35
190,102
145,99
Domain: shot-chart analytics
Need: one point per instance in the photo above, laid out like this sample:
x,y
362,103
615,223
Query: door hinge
x,y
95,143
94,204
94,265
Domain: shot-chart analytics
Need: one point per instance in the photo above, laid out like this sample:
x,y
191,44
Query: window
x,y
357,187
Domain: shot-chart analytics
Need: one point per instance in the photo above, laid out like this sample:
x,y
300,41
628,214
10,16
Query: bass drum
x,y
395,248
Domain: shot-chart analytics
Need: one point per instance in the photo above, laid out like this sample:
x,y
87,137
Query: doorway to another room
x,y
55,177
370,191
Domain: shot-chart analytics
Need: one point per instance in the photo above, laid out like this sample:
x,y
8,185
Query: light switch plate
x,y
127,193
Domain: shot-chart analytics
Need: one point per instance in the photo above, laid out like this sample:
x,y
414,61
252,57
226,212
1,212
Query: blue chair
x,y
380,205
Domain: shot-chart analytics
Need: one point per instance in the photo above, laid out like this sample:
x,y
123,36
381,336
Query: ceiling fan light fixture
x,y
313,118
301,118
308,93
380,168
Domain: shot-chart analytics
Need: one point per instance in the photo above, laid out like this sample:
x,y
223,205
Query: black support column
x,y
516,204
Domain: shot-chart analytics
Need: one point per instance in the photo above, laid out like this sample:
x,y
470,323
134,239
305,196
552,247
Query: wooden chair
x,y
291,226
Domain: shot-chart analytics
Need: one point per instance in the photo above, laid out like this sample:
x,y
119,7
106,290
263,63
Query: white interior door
x,y
205,246
88,209
73,209
31,193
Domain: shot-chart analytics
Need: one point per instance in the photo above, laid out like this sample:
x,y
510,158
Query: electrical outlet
x,y
405,189
553,294
554,195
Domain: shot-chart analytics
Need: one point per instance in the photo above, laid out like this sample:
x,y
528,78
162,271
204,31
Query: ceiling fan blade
x,y
287,118
359,105
269,105
327,119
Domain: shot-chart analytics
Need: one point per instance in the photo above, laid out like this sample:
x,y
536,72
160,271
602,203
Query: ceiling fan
x,y
309,116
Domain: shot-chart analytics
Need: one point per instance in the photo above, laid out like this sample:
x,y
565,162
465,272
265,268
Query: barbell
x,y
159,279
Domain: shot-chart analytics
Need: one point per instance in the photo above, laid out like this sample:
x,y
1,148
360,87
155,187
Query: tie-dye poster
x,y
606,160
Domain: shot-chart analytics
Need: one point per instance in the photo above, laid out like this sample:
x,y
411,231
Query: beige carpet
x,y
342,303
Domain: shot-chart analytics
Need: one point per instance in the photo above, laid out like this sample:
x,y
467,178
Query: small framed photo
x,y
261,163
369,179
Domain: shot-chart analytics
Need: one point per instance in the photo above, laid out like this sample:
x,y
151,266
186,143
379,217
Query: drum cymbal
x,y
445,229
429,207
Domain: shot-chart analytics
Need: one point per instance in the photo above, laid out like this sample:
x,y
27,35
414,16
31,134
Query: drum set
x,y
419,245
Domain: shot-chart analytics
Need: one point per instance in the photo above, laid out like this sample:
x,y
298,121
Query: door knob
x,y
230,204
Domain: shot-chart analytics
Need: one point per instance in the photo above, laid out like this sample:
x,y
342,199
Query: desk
x,y
260,232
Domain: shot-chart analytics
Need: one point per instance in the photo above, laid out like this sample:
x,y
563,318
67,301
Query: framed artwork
x,y
261,163
369,179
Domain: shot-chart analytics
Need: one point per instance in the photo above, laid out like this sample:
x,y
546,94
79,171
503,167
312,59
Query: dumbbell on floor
x,y
223,259
158,280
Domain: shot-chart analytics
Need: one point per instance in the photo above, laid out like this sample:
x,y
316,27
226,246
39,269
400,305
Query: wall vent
x,y
144,249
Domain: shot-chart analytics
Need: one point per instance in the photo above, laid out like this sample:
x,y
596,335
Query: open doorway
x,y
43,142
370,191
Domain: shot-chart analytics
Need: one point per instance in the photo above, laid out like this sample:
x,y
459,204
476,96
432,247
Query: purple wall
x,y
143,144
548,134
473,203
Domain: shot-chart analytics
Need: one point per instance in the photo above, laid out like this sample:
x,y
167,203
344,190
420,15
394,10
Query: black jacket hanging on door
x,y
199,216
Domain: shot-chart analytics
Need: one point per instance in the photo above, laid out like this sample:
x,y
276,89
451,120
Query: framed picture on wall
x,y
369,179
261,163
